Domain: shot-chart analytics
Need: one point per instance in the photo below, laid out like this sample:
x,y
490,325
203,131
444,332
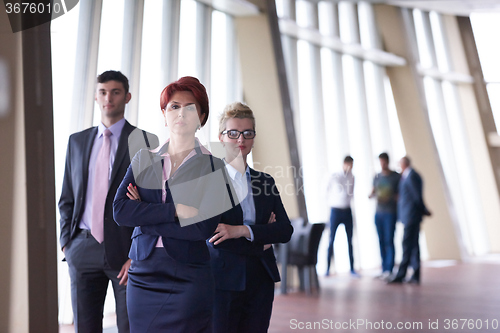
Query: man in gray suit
x,y
411,209
95,247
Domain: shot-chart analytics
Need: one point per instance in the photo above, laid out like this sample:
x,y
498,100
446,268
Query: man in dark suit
x,y
411,209
95,247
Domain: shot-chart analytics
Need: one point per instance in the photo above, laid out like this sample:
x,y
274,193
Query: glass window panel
x,y
306,123
494,94
337,145
302,8
441,132
235,90
468,183
150,117
63,32
448,129
111,36
398,146
187,39
325,17
279,7
440,42
423,42
376,107
349,29
364,26
367,30
63,51
361,150
110,42
349,86
353,101
486,27
219,84
225,80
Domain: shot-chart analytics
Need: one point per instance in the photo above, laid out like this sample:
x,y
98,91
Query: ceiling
x,y
455,7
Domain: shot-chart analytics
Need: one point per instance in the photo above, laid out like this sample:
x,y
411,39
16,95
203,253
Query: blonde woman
x,y
243,261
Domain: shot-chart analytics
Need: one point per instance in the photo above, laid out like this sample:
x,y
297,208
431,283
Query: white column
x,y
168,63
131,53
203,50
337,143
359,138
170,41
87,48
291,63
312,125
203,43
233,75
375,89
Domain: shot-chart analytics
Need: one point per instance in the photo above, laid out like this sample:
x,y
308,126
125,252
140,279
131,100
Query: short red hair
x,y
187,83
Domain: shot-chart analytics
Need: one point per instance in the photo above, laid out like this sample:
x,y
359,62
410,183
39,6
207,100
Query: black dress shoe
x,y
396,279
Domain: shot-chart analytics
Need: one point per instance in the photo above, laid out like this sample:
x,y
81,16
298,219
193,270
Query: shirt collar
x,y
233,172
116,128
163,149
406,172
342,173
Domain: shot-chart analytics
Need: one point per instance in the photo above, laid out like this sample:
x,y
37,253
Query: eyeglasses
x,y
235,134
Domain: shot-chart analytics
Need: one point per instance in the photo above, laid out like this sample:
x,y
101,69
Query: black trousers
x,y
90,276
411,251
337,217
247,311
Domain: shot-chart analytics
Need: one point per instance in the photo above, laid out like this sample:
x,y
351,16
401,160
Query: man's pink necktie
x,y
100,190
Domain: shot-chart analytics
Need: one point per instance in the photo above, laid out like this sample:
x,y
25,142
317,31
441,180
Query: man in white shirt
x,y
339,193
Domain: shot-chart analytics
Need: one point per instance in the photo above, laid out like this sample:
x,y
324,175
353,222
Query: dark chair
x,y
303,251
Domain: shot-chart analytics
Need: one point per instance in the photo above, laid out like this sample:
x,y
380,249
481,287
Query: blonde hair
x,y
235,110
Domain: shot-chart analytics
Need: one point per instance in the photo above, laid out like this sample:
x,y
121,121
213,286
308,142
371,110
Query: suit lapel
x,y
87,150
404,181
408,182
121,150
258,196
412,185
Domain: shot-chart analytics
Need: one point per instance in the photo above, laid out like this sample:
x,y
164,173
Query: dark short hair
x,y
407,160
114,76
191,84
348,159
384,156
